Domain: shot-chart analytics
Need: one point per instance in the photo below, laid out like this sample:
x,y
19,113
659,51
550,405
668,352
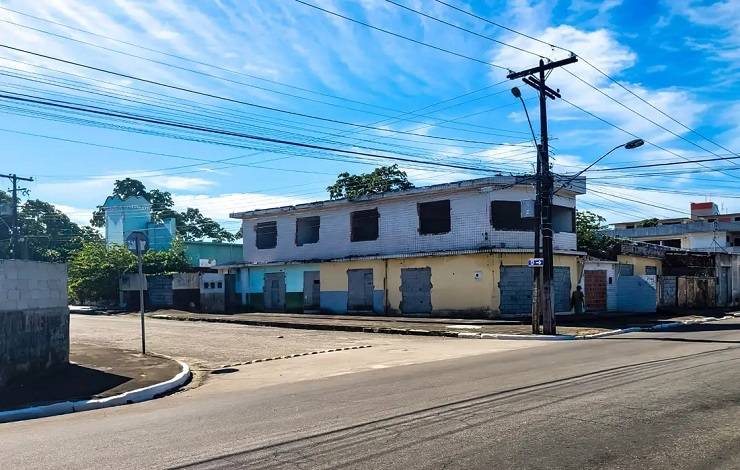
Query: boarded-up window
x,y
563,219
507,215
266,235
651,270
434,217
364,225
307,230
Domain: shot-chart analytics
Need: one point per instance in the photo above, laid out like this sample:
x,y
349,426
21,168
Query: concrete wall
x,y
639,262
398,228
34,318
637,294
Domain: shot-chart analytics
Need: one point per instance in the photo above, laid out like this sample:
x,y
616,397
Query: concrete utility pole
x,y
544,187
14,229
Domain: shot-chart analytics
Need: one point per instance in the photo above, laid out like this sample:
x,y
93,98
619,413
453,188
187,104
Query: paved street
x,y
648,400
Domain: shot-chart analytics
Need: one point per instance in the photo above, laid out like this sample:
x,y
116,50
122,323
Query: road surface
x,y
649,400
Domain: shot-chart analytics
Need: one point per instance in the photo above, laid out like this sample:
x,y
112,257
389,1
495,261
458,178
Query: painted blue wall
x,y
293,276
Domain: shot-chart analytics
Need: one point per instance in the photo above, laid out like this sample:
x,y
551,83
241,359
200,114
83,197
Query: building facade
x,y
450,249
705,230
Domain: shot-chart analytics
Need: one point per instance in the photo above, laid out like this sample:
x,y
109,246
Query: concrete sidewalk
x,y
94,372
567,325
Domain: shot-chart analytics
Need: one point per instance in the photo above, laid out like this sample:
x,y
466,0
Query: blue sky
x,y
681,56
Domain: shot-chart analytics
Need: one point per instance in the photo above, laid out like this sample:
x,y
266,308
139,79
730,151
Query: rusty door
x,y
595,294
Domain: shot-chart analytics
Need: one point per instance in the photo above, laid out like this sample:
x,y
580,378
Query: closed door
x,y
416,291
311,290
360,289
275,292
515,285
724,286
595,282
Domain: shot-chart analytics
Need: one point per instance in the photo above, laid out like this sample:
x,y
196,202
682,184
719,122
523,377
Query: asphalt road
x,y
651,400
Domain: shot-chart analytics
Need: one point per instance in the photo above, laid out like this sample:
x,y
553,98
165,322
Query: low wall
x,y
34,318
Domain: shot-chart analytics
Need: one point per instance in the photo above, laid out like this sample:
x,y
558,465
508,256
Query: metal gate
x,y
311,290
724,291
416,291
595,282
274,292
516,289
360,289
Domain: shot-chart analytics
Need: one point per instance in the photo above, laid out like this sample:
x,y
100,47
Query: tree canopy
x,y
591,239
190,224
380,180
94,270
46,233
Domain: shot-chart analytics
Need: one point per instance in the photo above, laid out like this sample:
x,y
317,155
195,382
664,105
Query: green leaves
x,y
589,230
94,271
380,180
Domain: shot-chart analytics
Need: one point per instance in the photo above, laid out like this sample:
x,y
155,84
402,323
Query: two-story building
x,y
449,249
705,230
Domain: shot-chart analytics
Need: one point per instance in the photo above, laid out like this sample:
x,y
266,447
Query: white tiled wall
x,y
398,227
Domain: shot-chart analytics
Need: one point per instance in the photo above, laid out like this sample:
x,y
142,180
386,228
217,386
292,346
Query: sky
x,y
283,69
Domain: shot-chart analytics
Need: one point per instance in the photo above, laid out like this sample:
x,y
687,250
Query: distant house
x,y
123,216
705,230
449,249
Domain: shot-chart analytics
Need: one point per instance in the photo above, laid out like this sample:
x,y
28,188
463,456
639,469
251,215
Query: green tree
x,y
47,234
190,224
95,270
591,239
380,180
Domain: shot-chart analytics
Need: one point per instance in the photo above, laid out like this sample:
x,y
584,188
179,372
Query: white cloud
x,y
180,182
220,206
78,215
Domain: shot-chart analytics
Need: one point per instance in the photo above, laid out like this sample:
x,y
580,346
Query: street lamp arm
x,y
629,145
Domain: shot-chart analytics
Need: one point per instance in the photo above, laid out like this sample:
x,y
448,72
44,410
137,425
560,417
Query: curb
x,y
132,396
445,333
289,356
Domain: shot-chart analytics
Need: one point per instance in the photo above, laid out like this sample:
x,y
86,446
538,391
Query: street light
x,y
518,94
632,144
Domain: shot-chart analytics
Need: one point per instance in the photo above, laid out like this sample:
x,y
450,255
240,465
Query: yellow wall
x,y
640,262
454,283
334,274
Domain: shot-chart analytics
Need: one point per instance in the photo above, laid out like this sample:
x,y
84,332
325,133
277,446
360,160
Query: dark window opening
x,y
266,235
651,270
364,225
737,219
507,215
219,285
307,230
711,219
213,285
563,219
653,242
434,217
736,242
673,243
205,285
629,226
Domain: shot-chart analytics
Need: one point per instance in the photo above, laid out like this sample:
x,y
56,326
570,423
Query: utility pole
x,y
535,78
537,279
14,229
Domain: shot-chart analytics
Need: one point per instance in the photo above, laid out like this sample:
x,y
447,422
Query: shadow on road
x,y
348,445
70,382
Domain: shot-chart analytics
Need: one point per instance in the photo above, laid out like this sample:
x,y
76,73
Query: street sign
x,y
137,239
138,243
536,262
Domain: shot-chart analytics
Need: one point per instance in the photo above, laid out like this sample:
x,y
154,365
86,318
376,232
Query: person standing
x,y
576,301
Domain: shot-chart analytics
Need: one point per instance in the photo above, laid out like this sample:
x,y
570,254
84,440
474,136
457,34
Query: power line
x,y
400,36
246,103
137,118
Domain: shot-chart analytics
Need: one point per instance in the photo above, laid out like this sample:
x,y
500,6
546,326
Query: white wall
x,y
29,285
398,228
